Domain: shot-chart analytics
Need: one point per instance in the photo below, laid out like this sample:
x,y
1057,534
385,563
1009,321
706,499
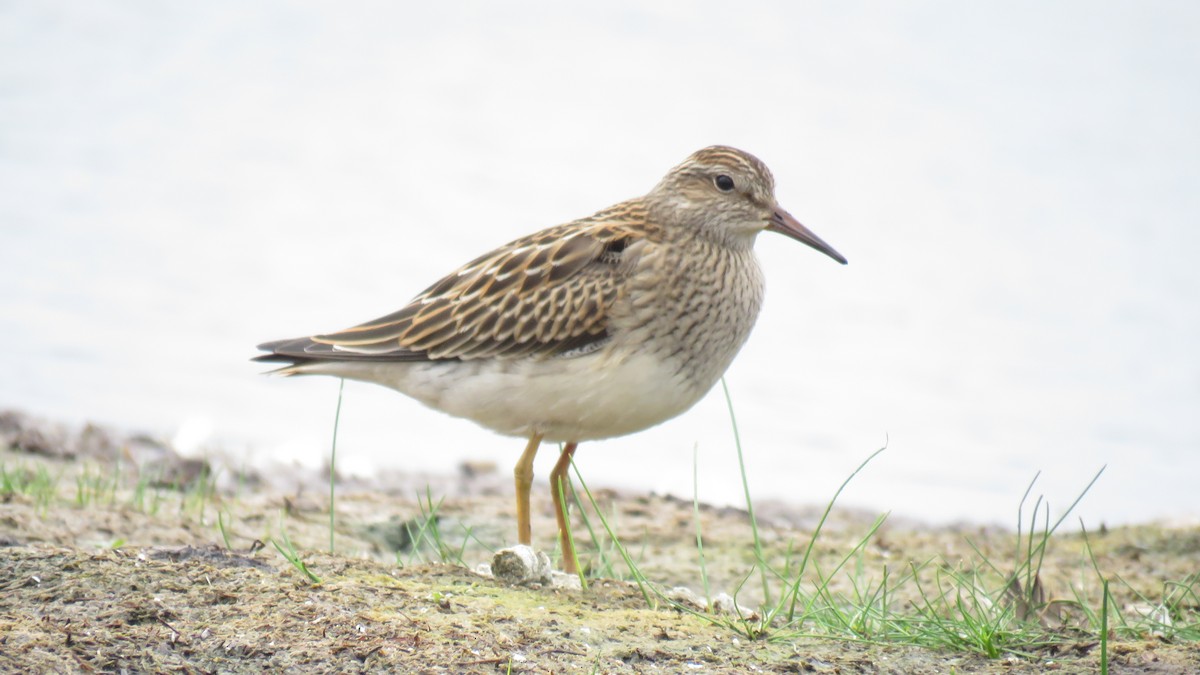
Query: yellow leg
x,y
523,474
560,485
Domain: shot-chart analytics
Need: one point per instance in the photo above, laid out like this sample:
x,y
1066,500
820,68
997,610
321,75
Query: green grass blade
x,y
758,549
337,417
562,500
699,536
638,577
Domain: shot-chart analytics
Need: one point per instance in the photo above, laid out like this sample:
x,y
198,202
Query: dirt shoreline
x,y
132,558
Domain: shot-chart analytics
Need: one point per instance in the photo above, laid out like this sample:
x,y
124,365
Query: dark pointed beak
x,y
783,223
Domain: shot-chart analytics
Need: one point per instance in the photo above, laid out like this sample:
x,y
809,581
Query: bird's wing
x,y
543,295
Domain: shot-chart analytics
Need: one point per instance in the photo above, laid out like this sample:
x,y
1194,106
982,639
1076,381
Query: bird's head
x,y
728,195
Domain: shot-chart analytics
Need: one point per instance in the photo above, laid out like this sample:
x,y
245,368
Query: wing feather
x,y
539,296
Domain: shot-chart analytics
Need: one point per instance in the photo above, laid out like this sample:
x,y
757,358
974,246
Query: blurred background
x,y
1014,184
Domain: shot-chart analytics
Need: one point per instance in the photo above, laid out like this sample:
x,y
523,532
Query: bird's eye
x,y
724,183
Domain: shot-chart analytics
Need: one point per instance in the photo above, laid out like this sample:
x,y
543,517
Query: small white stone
x,y
565,581
686,596
723,603
521,564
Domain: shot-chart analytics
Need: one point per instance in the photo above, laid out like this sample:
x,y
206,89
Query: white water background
x,y
1014,183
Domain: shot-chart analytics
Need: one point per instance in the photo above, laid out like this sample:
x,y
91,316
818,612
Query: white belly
x,y
580,399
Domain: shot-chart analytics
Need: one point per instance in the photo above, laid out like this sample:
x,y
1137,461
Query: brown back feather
x,y
538,296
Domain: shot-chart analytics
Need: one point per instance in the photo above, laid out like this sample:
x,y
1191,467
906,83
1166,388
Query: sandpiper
x,y
597,328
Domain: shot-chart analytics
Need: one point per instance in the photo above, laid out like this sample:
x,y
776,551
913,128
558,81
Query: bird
x,y
596,328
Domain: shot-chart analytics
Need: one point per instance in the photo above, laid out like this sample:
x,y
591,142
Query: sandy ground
x,y
134,559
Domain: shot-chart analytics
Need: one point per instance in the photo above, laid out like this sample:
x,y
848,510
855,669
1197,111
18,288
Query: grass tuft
x,y
34,483
288,550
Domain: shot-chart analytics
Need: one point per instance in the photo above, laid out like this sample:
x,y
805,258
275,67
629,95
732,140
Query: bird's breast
x,y
692,308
